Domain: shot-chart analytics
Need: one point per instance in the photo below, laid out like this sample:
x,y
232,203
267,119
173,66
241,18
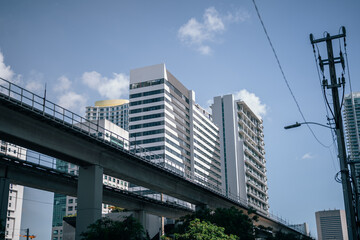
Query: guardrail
x,y
41,106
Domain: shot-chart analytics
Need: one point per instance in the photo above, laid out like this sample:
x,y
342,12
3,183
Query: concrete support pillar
x,y
4,197
141,217
89,197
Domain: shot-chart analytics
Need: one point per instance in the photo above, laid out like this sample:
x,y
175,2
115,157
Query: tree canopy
x,y
107,229
202,230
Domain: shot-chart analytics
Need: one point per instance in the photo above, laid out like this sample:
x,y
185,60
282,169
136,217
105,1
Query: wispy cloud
x,y
112,88
69,99
7,73
35,82
73,101
62,84
307,156
199,34
252,101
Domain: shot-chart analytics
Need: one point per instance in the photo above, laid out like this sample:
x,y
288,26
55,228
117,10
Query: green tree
x,y
233,220
107,229
204,231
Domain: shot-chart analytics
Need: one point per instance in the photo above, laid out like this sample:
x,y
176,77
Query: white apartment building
x,y
67,205
165,120
331,224
352,126
115,110
243,154
16,193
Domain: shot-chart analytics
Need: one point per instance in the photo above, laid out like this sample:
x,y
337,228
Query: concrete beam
x,y
35,132
32,176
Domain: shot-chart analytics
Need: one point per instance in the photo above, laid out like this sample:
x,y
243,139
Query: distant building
x,y
67,205
16,192
352,126
165,120
331,224
243,154
116,111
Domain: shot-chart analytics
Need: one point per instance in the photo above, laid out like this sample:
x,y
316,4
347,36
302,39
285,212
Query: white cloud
x,y
63,84
197,34
111,88
252,101
238,16
307,156
73,101
205,50
7,73
35,82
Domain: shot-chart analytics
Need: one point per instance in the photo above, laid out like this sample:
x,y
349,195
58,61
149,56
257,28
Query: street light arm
x,y
299,124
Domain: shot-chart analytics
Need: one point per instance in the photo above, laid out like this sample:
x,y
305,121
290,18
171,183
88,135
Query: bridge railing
x,y
39,104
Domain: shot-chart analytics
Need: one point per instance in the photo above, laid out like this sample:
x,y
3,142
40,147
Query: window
x,y
71,200
70,208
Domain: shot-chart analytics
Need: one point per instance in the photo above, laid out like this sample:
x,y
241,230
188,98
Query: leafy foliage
x,y
107,229
204,231
233,220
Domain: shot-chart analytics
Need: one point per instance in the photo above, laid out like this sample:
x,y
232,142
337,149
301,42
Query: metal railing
x,y
39,105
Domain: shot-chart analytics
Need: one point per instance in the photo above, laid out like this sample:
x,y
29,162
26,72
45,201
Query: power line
x,y
284,77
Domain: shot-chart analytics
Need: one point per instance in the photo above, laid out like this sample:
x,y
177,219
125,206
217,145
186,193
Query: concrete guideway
x,y
29,124
48,179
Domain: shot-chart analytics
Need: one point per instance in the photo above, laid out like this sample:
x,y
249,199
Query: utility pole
x,y
27,234
345,176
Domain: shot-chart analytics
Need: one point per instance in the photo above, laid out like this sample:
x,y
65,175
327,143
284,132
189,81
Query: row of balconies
x,y
257,167
257,157
260,187
256,175
258,196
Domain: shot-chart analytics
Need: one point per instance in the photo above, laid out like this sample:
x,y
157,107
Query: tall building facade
x,y
352,126
115,110
16,192
165,120
331,224
67,205
243,154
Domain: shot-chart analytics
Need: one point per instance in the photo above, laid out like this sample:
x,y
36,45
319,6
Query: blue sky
x,y
213,48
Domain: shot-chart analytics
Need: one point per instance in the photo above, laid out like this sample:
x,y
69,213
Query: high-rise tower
x,y
243,154
164,119
352,126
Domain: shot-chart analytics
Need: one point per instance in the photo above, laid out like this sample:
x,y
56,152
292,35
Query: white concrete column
x,y
89,197
4,197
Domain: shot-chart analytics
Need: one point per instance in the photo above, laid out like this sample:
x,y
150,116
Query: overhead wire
x,y
325,103
284,77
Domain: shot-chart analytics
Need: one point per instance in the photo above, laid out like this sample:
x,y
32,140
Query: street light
x,y
299,124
